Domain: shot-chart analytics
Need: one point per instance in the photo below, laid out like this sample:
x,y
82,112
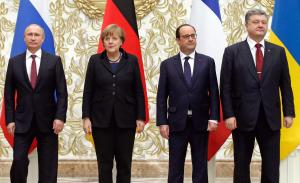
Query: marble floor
x,y
134,180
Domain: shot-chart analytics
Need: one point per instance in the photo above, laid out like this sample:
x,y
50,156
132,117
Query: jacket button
x,y
114,76
113,93
114,84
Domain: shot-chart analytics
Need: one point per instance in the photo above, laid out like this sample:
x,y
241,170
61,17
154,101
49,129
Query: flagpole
x,y
290,167
114,172
211,166
33,168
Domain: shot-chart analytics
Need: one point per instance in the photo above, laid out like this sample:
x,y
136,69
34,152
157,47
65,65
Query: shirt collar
x,y
192,55
38,53
252,43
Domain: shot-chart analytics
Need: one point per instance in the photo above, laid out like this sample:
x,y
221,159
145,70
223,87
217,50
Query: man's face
x,y
187,39
257,26
34,37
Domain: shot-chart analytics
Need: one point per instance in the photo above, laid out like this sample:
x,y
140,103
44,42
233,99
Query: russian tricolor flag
x,y
206,18
30,12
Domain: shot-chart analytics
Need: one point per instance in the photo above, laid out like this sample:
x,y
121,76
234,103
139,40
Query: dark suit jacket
x,y
242,93
41,101
174,96
120,92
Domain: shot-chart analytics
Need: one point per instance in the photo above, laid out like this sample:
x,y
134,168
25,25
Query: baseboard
x,y
88,168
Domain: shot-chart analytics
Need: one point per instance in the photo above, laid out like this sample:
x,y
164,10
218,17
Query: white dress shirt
x,y
252,47
29,61
191,62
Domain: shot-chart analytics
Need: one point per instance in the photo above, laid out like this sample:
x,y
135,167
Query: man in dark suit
x,y
253,72
187,105
40,109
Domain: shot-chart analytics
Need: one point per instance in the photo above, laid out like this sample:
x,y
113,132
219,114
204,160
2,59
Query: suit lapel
x,y
178,66
106,64
42,68
267,59
248,59
197,65
24,71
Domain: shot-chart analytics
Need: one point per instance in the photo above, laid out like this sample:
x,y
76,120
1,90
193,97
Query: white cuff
x,y
213,121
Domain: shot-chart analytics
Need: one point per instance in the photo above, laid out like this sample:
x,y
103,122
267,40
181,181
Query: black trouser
x,y
269,145
110,143
178,142
47,147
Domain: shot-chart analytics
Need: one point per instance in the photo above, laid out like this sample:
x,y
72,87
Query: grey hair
x,y
254,12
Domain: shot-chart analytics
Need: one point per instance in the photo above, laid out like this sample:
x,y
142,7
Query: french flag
x,y
206,18
30,12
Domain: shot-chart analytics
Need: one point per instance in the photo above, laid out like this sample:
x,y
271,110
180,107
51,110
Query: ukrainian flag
x,y
285,32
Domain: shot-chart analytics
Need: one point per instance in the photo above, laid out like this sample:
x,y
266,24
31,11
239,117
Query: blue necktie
x,y
187,71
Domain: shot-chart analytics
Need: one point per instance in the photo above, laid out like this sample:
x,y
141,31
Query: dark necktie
x,y
259,60
33,74
187,71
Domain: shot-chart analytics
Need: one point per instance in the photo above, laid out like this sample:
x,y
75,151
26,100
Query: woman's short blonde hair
x,y
113,29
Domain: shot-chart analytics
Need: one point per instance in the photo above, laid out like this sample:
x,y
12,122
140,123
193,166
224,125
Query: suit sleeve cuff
x,y
213,121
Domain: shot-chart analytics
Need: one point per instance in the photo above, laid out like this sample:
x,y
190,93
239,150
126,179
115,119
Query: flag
x,y
285,32
122,13
30,12
206,18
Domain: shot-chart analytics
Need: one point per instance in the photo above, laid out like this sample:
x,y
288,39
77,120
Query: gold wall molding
x,y
95,8
234,13
6,27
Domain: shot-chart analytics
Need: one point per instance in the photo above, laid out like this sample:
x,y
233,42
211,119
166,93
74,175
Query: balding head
x,y
34,36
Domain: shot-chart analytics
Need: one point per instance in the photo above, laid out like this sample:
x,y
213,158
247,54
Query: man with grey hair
x,y
252,74
35,76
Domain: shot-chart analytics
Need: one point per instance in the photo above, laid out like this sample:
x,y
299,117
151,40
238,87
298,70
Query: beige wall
x,y
76,38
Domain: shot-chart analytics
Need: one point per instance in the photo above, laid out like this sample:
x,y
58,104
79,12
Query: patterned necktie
x,y
187,71
259,60
33,74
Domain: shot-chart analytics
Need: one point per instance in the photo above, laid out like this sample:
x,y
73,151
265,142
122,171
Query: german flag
x,y
122,13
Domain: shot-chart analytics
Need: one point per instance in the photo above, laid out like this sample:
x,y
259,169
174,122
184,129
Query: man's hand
x,y
140,126
87,126
11,128
288,121
231,123
58,126
212,126
164,131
